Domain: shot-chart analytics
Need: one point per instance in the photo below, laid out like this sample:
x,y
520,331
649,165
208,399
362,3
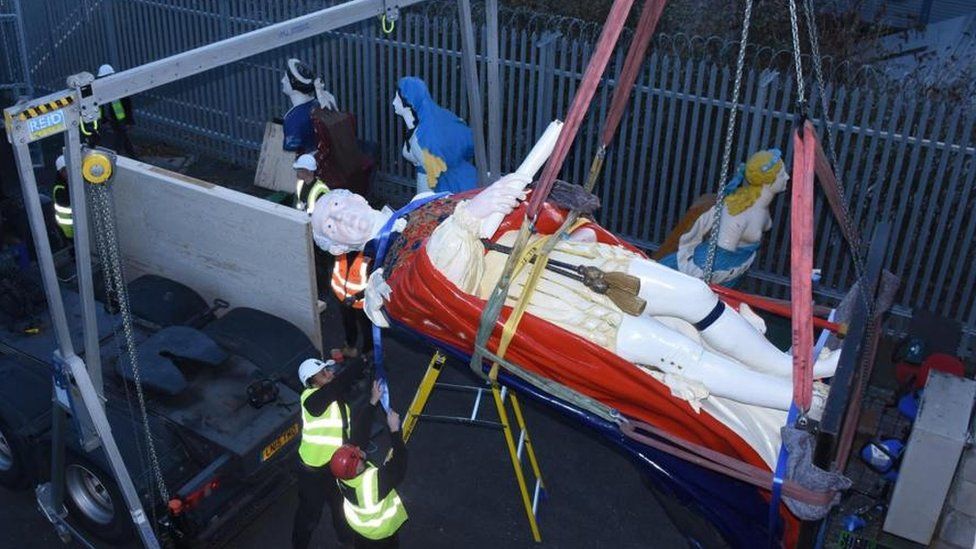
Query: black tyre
x,y
14,462
94,501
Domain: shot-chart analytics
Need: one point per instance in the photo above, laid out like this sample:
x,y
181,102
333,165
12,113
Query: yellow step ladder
x,y
515,449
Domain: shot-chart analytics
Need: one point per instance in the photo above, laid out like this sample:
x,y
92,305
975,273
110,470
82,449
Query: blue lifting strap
x,y
783,457
381,249
777,487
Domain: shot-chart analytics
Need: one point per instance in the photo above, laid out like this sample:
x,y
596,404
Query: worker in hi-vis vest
x,y
326,426
370,500
349,277
62,200
308,188
117,115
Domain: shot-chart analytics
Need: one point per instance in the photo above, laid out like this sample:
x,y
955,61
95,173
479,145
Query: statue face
x,y
346,220
286,85
782,178
404,112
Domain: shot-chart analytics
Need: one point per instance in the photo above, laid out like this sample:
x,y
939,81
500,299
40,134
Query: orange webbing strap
x,y
719,462
581,102
801,266
650,15
828,182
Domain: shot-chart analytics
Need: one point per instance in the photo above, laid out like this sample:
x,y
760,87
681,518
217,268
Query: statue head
x,y
298,78
411,99
764,172
344,221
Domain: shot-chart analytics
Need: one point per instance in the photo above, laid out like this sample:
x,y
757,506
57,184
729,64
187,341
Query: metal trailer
x,y
79,380
222,459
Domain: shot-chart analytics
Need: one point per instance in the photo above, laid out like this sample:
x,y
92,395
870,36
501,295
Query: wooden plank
x,y
222,243
274,169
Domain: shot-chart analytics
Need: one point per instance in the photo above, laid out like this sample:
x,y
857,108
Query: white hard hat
x,y
105,70
311,366
305,161
59,163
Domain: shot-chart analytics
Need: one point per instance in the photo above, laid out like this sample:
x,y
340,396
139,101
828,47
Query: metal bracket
x,y
391,10
54,516
82,82
66,395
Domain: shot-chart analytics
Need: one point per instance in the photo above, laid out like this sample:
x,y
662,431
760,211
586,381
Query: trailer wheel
x,y
14,472
94,501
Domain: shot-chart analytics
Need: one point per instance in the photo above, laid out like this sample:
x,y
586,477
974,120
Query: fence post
x,y
494,91
546,82
231,92
112,39
760,108
469,60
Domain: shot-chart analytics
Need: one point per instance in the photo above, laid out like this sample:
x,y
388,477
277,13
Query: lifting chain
x,y
108,250
801,94
847,221
727,153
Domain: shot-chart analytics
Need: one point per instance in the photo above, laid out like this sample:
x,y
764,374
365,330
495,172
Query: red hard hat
x,y
345,461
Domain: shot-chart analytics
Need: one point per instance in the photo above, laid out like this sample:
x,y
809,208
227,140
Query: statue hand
x,y
500,198
377,293
326,99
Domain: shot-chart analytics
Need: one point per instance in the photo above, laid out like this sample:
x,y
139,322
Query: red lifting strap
x,y
828,182
801,265
581,102
650,16
719,462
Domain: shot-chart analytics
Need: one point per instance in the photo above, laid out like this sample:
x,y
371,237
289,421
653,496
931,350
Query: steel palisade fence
x,y
902,156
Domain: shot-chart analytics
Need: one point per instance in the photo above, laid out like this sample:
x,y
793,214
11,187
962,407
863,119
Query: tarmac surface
x,y
460,489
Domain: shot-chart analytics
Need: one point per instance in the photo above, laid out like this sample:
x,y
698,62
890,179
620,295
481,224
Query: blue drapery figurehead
x,y
446,142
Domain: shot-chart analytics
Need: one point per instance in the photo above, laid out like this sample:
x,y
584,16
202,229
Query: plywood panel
x,y
274,169
222,243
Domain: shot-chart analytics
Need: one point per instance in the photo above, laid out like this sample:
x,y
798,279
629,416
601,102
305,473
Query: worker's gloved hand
x,y
377,292
326,99
393,421
376,393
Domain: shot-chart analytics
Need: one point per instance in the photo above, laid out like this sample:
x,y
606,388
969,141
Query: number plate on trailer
x,y
280,442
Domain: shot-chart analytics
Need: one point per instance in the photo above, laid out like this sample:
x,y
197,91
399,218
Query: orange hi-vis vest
x,y
350,279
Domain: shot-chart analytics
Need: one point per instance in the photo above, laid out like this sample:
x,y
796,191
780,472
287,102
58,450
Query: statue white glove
x,y
377,293
491,205
326,99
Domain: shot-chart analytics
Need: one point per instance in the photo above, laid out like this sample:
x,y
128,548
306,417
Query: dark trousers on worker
x,y
354,322
392,542
317,488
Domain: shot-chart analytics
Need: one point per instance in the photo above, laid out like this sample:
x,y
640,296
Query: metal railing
x,y
902,157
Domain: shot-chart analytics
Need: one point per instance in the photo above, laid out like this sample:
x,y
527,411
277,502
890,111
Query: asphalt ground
x,y
460,489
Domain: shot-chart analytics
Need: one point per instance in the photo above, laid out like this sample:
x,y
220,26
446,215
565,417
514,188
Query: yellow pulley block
x,y
97,168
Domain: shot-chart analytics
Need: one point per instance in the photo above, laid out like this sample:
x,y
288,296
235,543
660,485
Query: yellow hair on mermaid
x,y
761,169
